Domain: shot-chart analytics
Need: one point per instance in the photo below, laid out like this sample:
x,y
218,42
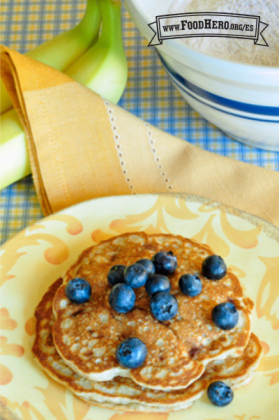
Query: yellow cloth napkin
x,y
82,146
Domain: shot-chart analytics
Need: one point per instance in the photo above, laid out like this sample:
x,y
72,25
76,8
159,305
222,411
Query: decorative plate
x,y
37,256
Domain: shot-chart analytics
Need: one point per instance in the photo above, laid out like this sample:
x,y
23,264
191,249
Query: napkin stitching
x,y
157,158
116,137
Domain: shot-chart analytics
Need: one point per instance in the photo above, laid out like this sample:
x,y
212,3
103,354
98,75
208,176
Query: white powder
x,y
240,50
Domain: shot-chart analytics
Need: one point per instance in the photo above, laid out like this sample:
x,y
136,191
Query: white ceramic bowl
x,y
240,99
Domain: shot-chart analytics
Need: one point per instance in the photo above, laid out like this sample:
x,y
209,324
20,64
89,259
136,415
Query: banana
x,y
61,51
103,68
14,160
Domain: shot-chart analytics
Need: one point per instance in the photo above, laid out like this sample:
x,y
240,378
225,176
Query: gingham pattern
x,y
149,95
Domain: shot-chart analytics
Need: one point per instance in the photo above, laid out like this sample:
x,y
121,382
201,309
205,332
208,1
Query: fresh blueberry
x,y
165,262
116,274
214,267
190,285
122,298
225,316
157,283
135,275
131,353
219,394
148,265
78,290
163,306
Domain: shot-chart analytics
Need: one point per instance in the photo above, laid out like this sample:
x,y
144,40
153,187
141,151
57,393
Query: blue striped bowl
x,y
241,99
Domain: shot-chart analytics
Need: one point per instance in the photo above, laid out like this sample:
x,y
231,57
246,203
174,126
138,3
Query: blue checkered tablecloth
x,y
149,95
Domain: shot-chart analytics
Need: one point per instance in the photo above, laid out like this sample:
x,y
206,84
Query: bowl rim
x,y
175,47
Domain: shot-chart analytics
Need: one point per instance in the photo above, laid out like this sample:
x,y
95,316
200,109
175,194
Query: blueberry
x,y
225,316
157,283
131,353
190,285
219,394
116,274
148,265
122,298
165,262
78,290
163,306
135,276
214,267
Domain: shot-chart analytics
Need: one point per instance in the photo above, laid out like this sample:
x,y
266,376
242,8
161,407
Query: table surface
x,y
149,95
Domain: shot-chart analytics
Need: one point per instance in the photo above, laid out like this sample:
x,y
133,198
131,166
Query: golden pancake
x,y
87,335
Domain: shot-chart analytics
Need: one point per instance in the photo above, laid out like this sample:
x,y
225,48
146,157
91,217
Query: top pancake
x,y
87,335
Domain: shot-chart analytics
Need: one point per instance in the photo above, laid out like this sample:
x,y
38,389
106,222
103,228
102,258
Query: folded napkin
x,y
81,146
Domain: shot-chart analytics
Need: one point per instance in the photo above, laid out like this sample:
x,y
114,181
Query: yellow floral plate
x,y
37,256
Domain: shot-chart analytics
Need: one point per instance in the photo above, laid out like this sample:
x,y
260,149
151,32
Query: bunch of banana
x,y
62,50
102,68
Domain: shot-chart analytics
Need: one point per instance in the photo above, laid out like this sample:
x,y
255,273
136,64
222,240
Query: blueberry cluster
x,y
131,353
151,274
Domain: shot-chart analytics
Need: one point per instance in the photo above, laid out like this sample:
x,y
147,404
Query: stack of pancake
x,y
76,343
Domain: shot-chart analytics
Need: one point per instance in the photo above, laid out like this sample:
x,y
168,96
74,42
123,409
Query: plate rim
x,y
271,230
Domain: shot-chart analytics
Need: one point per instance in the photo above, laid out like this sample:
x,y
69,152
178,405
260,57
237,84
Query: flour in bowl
x,y
240,50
